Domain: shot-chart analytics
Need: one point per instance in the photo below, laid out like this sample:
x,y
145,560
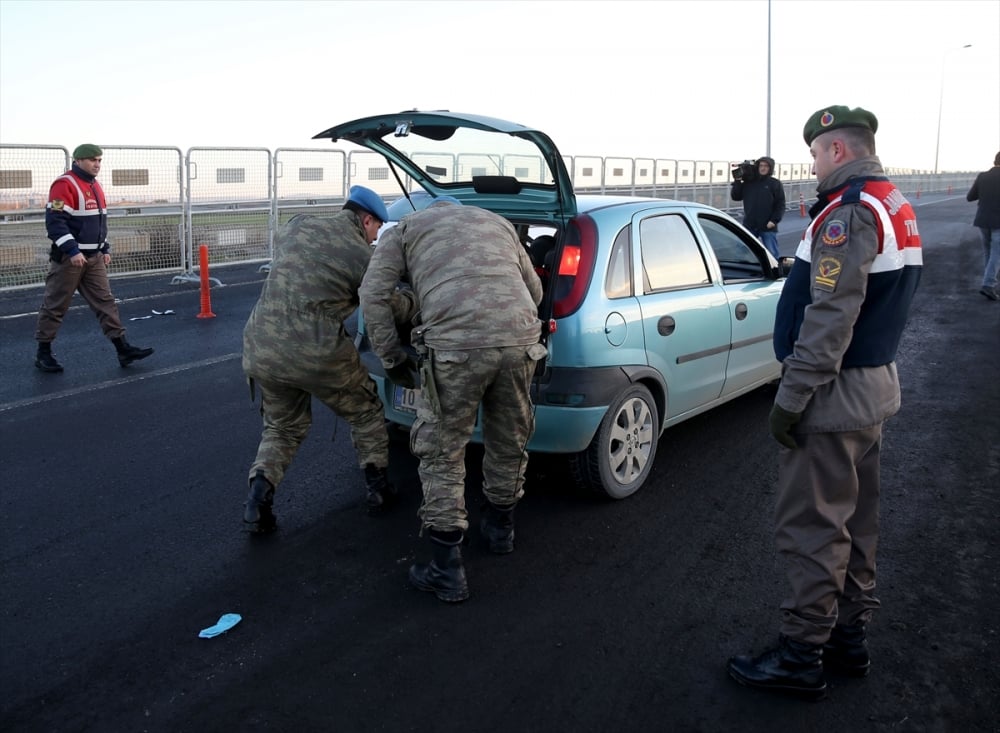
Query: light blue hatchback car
x,y
654,310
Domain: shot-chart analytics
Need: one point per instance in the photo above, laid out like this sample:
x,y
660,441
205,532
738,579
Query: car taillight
x,y
570,262
576,266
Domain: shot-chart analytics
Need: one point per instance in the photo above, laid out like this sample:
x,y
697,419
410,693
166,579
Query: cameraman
x,y
763,199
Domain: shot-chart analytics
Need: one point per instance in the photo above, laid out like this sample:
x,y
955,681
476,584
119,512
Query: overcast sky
x,y
679,79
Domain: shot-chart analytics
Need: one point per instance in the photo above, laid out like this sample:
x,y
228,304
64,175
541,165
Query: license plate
x,y
404,399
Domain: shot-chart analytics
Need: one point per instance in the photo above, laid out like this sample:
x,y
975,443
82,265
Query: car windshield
x,y
468,153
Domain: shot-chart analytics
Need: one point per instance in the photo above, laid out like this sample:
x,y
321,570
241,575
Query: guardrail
x,y
163,203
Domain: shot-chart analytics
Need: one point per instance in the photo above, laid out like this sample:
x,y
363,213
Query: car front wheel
x,y
620,457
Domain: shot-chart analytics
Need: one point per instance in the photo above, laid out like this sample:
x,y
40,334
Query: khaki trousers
x,y
826,528
62,280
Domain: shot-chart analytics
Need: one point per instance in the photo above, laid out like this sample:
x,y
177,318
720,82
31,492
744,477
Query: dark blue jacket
x,y
986,190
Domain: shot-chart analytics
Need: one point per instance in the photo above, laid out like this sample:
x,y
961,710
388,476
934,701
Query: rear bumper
x,y
569,405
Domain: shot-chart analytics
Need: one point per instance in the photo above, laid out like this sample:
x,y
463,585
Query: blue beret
x,y
836,117
370,201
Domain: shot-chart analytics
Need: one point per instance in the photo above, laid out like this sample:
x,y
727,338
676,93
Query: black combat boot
x,y
128,353
382,493
497,527
794,668
45,359
444,576
847,650
257,516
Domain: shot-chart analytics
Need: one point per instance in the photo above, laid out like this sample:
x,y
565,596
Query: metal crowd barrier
x,y
164,204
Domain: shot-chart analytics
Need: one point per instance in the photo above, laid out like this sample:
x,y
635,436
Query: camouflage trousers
x,y
287,413
499,379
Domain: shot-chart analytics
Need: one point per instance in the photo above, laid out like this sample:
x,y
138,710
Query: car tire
x,y
618,460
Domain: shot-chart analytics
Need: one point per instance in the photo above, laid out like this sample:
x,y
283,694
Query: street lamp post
x,y
937,146
767,147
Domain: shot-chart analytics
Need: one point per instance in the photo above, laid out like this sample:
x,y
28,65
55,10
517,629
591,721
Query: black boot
x,y
497,527
45,359
847,650
793,667
128,353
257,516
381,492
445,575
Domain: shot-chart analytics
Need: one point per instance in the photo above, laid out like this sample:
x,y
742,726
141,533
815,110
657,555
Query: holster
x,y
55,254
425,362
428,388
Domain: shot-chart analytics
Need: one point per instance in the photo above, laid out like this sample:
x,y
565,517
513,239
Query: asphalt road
x,y
121,539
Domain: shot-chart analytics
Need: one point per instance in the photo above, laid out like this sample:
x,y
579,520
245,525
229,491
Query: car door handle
x,y
666,325
741,311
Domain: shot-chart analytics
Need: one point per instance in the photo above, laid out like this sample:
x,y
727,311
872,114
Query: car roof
x,y
593,202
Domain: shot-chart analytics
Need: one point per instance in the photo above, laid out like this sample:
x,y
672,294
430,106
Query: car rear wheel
x,y
620,457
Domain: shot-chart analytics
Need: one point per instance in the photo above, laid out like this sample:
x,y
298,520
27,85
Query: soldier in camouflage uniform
x,y
295,348
479,332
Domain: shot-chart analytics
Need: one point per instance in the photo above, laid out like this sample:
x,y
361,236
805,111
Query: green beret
x,y
832,118
87,150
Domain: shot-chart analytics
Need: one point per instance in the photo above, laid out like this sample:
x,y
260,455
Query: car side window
x,y
670,254
618,282
737,260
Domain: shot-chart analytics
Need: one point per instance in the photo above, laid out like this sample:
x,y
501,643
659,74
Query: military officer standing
x,y
839,321
295,348
479,330
76,219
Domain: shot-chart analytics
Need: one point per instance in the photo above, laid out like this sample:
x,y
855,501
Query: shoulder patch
x,y
57,204
834,233
827,271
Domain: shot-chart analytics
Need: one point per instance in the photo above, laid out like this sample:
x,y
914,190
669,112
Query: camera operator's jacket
x,y
845,303
763,200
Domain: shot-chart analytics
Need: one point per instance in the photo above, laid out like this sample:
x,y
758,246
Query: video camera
x,y
745,171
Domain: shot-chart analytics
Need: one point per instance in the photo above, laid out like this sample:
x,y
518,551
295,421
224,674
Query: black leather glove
x,y
782,421
405,373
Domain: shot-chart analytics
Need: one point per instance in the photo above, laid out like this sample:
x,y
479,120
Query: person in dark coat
x,y
986,190
763,198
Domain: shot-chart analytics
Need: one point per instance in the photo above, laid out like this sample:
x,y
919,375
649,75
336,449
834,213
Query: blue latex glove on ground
x,y
226,622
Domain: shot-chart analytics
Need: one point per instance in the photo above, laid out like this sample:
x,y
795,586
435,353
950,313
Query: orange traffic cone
x,y
206,297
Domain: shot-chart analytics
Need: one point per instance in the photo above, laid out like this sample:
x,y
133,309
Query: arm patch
x,y
834,233
828,270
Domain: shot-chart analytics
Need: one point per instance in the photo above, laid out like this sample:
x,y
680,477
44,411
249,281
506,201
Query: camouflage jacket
x,y
296,327
474,282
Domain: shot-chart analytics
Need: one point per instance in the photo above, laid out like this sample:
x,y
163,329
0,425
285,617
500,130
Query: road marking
x,y
31,401
136,299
